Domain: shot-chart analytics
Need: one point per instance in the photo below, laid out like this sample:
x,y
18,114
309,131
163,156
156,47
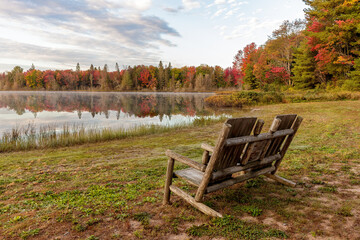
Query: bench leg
x,y
200,206
169,175
281,180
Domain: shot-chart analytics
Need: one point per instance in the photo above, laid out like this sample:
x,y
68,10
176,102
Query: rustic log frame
x,y
262,166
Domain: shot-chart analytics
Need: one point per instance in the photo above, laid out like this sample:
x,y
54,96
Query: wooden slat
x,y
202,207
230,182
191,175
258,127
281,180
286,123
213,159
260,137
288,141
169,173
205,157
206,154
224,172
185,160
207,147
273,128
240,127
253,149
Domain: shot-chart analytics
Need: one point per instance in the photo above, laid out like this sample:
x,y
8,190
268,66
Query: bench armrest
x,y
185,160
207,147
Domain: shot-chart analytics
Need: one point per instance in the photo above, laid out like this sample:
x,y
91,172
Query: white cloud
x,y
259,10
252,26
229,13
218,12
217,2
191,4
63,32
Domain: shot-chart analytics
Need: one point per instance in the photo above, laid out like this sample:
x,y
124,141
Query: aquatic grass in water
x,y
49,136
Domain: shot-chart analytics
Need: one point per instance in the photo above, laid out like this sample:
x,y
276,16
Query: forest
x,y
322,51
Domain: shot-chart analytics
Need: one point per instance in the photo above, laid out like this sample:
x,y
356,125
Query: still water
x,y
99,110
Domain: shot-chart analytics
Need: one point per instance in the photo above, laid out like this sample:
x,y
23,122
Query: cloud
x,y
216,2
101,31
252,26
191,4
229,13
219,12
173,10
259,10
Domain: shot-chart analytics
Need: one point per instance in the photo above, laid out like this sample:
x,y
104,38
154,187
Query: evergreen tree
x,y
32,67
161,78
353,83
126,83
304,68
77,67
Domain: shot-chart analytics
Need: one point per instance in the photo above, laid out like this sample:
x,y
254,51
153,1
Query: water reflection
x,y
101,109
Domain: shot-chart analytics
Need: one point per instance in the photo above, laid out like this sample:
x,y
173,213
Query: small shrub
x,y
344,211
328,188
30,233
142,217
252,210
92,237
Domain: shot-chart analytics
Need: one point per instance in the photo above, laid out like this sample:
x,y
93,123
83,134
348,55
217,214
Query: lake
x,y
99,109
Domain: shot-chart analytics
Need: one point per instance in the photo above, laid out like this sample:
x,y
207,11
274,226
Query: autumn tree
x,y
333,37
281,46
244,62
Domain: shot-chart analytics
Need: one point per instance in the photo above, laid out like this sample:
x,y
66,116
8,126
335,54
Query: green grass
x,y
113,189
233,228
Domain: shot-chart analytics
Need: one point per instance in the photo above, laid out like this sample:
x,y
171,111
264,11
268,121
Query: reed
x,y
49,136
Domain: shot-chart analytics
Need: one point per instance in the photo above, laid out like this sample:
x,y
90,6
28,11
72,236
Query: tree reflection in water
x,y
134,106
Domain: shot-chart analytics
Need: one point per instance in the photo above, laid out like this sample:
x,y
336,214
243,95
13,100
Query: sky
x,y
58,34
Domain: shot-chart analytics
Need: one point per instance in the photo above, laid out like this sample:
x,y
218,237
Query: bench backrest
x,y
230,156
247,150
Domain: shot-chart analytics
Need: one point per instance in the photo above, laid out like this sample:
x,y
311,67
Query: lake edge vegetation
x,y
28,137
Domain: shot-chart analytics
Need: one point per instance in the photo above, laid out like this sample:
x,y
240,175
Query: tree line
x,y
321,51
163,78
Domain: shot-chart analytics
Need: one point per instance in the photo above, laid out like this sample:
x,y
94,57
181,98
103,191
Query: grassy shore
x,y
251,98
113,189
30,137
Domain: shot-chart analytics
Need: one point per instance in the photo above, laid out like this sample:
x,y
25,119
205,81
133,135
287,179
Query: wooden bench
x,y
236,151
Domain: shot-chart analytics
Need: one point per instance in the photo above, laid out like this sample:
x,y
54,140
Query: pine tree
x,y
304,68
161,78
353,83
77,67
32,67
126,83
